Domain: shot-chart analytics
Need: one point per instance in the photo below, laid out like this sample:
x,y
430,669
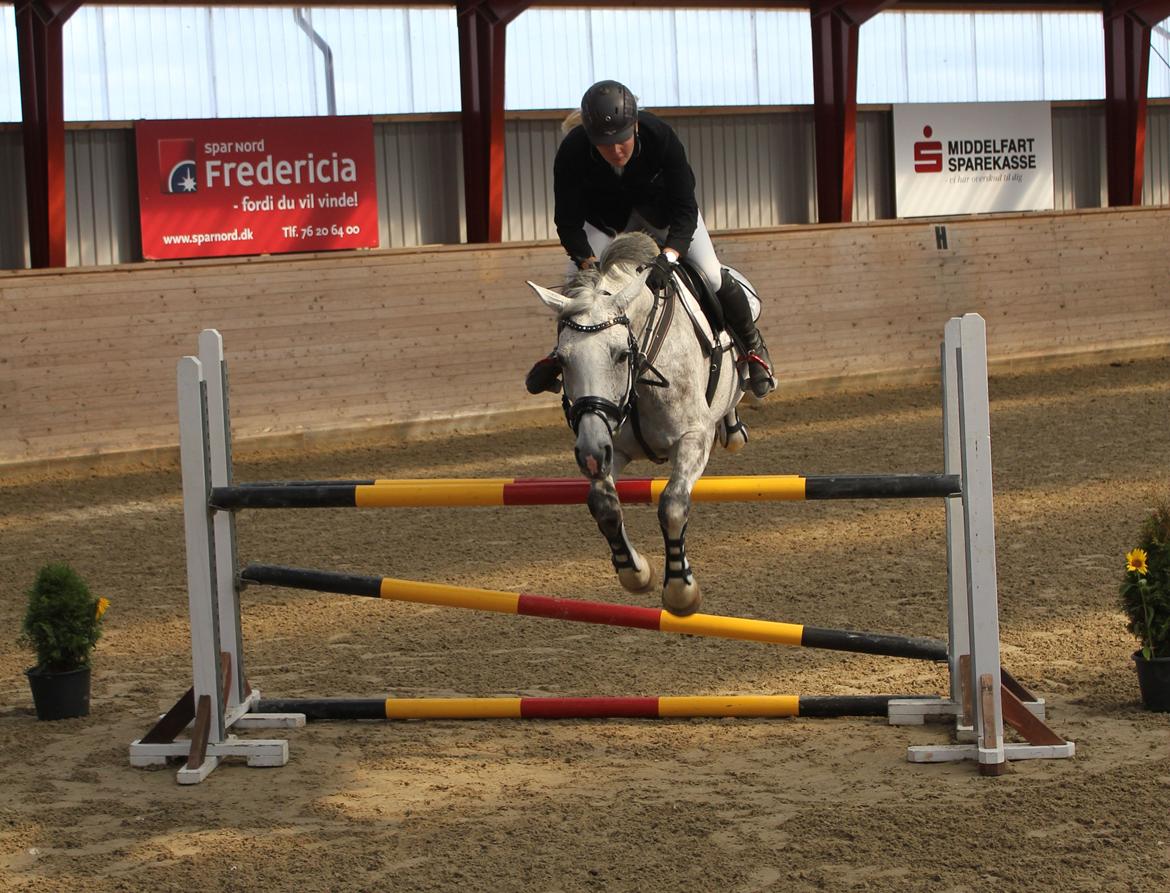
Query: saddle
x,y
706,314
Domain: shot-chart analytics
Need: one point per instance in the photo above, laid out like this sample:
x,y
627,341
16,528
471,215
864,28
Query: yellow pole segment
x,y
453,708
759,488
733,628
449,596
730,705
411,494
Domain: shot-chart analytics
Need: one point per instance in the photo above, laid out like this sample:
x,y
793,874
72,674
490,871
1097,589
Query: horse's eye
x,y
621,356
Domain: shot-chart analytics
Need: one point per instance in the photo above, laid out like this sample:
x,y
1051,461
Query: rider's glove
x,y
661,269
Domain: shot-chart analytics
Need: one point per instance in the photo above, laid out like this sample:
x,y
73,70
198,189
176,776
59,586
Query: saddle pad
x,y
699,319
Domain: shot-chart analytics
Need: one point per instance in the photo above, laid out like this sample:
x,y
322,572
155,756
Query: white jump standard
x,y
982,696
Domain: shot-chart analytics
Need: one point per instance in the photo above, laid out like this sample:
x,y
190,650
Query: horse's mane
x,y
626,250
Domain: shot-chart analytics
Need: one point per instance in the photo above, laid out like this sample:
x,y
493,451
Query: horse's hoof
x,y
638,583
733,438
681,598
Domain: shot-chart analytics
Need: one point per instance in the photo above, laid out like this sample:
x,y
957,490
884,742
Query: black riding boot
x,y
737,312
544,376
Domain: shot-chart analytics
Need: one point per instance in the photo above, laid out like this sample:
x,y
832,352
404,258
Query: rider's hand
x,y
661,269
587,263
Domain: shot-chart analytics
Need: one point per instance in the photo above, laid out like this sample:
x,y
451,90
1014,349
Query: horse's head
x,y
597,347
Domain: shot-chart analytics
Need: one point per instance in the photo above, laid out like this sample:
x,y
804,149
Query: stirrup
x,y
759,374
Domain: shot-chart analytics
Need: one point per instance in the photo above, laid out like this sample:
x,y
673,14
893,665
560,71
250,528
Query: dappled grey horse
x,y
639,384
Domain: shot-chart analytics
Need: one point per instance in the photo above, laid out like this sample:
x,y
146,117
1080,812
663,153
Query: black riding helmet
x,y
609,113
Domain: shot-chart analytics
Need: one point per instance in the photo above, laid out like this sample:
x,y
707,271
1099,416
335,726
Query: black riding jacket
x,y
657,182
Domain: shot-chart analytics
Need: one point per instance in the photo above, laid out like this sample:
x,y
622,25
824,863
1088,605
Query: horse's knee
x,y
606,510
673,512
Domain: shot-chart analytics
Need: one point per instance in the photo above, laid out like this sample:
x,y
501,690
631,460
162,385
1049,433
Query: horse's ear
x,y
631,290
551,299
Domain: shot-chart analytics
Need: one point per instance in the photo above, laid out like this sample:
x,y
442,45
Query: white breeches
x,y
701,253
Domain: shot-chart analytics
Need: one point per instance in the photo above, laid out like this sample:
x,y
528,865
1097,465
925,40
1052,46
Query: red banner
x,y
211,188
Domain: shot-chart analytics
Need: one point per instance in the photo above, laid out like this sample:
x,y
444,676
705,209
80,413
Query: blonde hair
x,y
571,121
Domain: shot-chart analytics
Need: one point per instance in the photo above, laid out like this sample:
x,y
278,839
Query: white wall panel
x,y
101,214
157,64
13,205
717,57
638,48
784,56
1009,56
420,183
1159,82
873,192
530,146
1074,56
191,62
549,59
1079,173
434,61
941,64
9,70
1156,187
881,60
751,170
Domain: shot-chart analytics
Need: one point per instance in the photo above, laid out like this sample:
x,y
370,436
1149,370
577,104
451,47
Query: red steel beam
x,y
1127,69
39,24
482,25
835,28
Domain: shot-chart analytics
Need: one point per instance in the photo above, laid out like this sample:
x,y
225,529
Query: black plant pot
x,y
59,695
1154,681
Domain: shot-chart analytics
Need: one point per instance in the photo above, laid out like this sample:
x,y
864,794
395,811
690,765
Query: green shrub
x,y
1145,590
63,621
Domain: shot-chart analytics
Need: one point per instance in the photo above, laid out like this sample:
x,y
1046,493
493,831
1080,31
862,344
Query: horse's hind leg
x,y
680,590
634,572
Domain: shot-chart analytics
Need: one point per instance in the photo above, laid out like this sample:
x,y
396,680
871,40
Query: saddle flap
x,y
703,309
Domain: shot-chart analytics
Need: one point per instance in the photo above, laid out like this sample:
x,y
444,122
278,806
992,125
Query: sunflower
x,y
1136,561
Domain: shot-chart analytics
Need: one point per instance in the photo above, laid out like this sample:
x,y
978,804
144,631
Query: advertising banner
x,y
229,186
972,157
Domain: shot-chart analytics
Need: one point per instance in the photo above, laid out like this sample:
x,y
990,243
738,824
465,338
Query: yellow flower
x,y
1136,561
103,603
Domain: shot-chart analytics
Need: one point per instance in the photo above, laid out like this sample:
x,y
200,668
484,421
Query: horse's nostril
x,y
608,458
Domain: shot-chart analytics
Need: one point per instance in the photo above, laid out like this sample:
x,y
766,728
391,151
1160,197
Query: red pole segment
x,y
553,608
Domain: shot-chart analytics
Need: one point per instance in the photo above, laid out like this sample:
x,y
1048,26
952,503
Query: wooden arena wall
x,y
395,342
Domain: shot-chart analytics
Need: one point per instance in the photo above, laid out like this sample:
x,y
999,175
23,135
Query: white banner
x,y
972,157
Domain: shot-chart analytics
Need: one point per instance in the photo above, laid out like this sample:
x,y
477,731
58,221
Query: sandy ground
x,y
727,805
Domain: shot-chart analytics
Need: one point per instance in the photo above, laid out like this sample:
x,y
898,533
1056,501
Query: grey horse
x,y
638,384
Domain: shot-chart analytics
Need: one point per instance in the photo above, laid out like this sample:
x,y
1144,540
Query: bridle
x,y
640,369
613,414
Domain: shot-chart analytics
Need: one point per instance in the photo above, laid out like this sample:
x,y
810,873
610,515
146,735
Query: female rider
x,y
620,170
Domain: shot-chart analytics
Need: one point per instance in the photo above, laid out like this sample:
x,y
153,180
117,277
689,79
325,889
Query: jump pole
x,y
632,616
677,707
982,695
407,493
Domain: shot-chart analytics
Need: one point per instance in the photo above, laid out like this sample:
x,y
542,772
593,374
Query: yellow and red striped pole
x,y
531,605
456,492
678,707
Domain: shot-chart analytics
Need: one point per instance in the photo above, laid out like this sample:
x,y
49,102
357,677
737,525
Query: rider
x,y
623,169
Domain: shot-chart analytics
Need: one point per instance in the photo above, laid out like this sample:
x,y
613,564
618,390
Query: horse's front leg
x,y
680,589
634,572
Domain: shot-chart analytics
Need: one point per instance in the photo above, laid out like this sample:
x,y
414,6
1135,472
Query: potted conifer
x,y
1145,598
62,623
